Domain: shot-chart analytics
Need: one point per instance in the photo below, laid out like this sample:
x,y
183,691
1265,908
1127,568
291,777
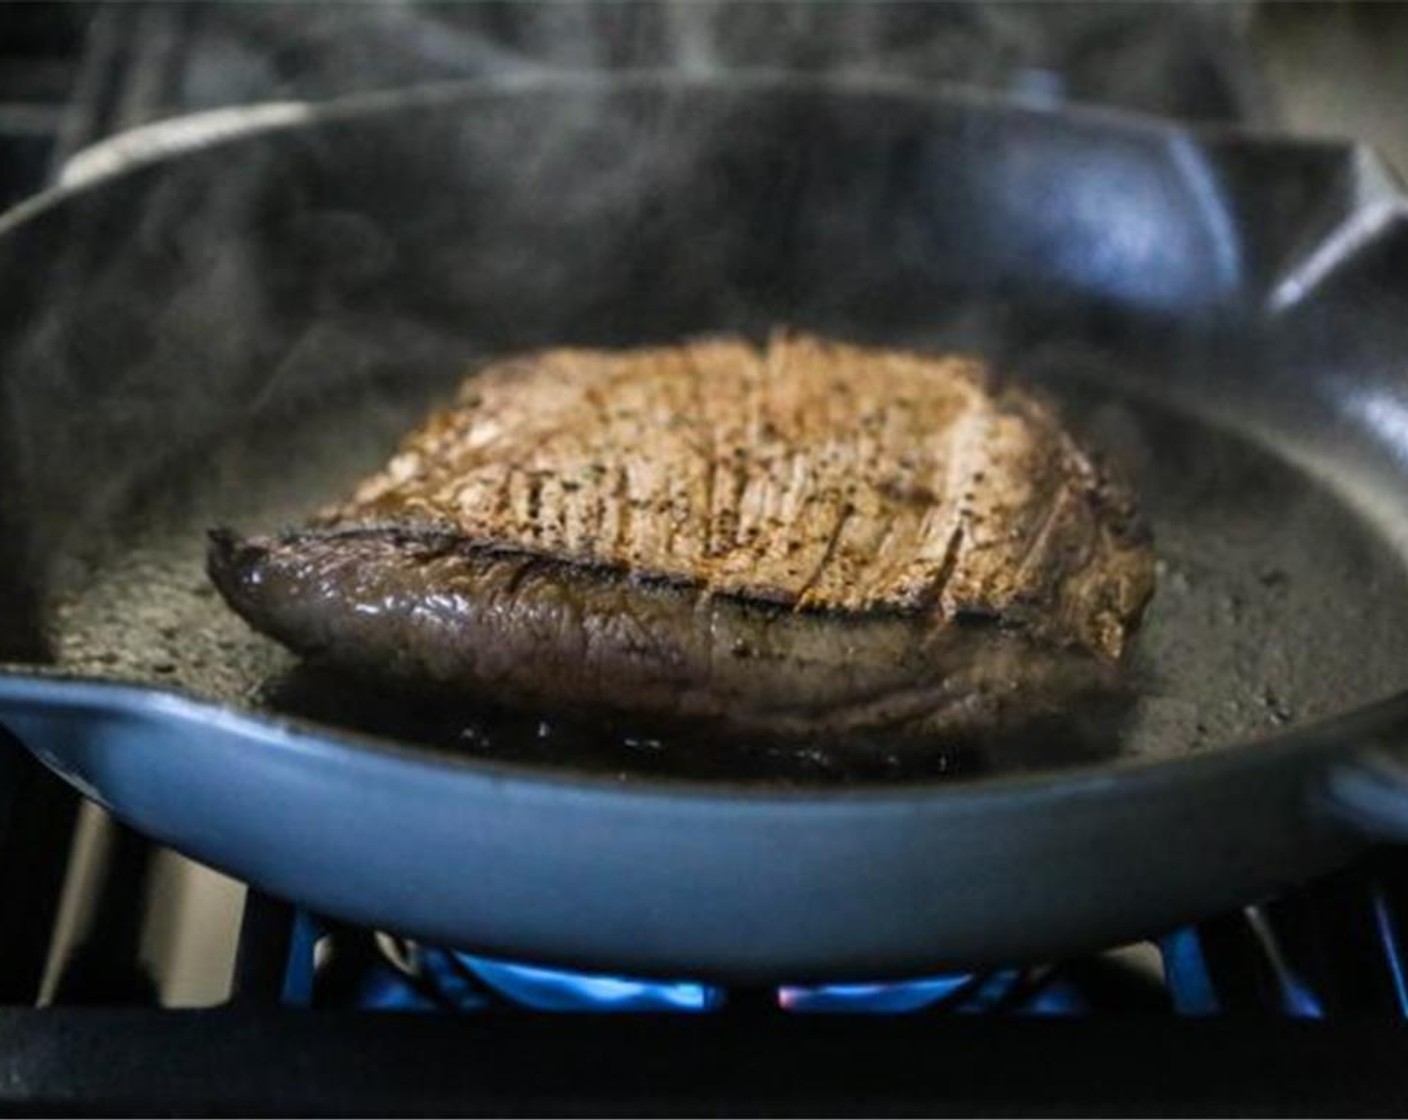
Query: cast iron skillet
x,y
232,334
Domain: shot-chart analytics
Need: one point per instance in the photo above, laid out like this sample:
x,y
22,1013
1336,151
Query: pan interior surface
x,y
301,305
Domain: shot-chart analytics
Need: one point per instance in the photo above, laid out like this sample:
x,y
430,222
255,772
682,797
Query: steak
x,y
806,536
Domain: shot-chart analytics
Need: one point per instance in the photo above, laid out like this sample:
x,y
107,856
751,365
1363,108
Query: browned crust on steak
x,y
811,474
807,536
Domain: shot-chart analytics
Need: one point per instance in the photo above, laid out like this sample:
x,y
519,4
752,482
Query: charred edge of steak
x,y
228,550
427,606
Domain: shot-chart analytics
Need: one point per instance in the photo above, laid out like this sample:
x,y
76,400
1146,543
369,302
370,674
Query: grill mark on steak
x,y
955,545
829,551
706,445
807,548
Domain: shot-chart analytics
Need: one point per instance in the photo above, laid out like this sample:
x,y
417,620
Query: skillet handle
x,y
1369,791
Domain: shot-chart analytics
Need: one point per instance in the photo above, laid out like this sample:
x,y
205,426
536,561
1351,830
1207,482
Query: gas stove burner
x,y
473,982
1256,959
430,978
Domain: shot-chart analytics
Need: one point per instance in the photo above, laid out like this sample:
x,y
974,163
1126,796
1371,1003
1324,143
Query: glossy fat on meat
x,y
803,536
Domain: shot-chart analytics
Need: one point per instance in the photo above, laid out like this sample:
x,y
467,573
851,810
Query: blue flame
x,y
426,978
470,982
550,989
990,992
1393,949
1190,984
1297,1000
1019,991
912,995
387,990
1055,1002
451,985
300,961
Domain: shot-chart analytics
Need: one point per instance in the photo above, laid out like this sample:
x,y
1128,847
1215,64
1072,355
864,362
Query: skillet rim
x,y
301,114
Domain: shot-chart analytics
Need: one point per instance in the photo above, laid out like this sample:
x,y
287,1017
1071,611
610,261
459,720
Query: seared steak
x,y
809,536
